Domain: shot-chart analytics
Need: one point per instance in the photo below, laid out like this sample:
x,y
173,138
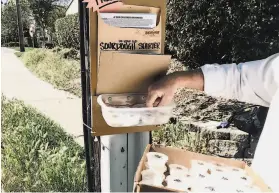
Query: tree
x,y
9,32
45,12
19,24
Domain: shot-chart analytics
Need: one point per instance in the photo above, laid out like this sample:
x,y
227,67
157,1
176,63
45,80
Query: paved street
x,y
62,107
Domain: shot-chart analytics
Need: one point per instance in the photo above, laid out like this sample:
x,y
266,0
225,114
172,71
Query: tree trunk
x,y
44,38
20,31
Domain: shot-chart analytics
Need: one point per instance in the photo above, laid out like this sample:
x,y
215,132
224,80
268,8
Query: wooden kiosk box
x,y
126,70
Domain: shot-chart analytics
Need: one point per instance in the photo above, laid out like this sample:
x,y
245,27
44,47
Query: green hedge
x,y
67,32
222,31
15,44
11,44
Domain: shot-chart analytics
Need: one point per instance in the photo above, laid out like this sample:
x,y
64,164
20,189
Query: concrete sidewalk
x,y
62,107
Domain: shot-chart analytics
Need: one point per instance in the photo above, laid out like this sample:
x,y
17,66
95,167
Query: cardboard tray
x,y
184,158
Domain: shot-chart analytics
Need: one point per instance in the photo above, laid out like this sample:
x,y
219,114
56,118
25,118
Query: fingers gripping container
x,y
126,110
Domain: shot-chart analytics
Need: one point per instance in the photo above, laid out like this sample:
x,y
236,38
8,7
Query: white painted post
x,y
137,143
120,155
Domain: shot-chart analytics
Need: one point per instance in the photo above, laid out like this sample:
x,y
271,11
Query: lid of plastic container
x,y
157,168
151,174
178,167
179,180
156,156
151,183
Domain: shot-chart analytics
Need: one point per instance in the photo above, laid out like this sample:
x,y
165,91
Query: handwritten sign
x,y
129,45
103,5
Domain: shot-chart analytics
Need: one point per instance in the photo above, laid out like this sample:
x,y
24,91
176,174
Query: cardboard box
x,y
93,31
140,40
125,73
129,73
144,68
184,158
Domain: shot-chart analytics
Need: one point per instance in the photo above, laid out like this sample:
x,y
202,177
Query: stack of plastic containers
x,y
202,176
156,167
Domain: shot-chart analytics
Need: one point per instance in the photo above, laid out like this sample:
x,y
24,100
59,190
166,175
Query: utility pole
x,y
19,24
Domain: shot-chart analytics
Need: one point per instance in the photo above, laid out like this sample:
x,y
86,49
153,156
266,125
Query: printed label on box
x,y
131,20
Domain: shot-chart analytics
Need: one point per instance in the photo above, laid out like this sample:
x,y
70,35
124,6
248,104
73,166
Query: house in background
x,y
72,8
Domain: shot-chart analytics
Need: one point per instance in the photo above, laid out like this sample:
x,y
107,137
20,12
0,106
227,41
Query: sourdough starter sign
x,y
129,45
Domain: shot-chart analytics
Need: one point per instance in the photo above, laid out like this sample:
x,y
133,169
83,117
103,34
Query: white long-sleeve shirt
x,y
255,82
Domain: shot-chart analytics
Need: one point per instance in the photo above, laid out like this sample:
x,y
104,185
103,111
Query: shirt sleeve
x,y
253,82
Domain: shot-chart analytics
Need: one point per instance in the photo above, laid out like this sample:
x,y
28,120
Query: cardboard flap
x,y
129,73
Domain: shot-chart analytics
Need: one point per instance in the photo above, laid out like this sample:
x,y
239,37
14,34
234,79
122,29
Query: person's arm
x,y
253,82
162,92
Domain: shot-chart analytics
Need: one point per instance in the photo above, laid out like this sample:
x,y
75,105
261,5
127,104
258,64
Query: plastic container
x,y
206,188
156,159
152,177
126,110
178,170
219,172
199,167
151,183
245,180
178,183
236,172
160,169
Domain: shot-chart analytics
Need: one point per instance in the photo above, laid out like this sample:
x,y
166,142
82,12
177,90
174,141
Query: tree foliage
x,y
222,31
9,27
67,31
46,12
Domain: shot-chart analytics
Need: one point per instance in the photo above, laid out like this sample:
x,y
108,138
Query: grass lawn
x,y
26,48
54,66
37,155
19,54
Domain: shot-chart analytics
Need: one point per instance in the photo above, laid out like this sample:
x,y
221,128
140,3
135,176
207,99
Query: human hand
x,y
161,93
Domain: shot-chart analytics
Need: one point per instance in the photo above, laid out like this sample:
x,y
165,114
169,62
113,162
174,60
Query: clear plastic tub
x,y
125,110
178,170
179,183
